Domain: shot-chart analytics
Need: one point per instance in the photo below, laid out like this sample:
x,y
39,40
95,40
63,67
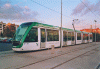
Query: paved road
x,y
5,46
84,56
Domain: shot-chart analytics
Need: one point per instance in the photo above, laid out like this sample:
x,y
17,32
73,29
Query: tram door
x,y
73,39
64,38
43,38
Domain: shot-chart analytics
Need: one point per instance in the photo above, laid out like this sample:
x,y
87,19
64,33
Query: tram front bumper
x,y
17,49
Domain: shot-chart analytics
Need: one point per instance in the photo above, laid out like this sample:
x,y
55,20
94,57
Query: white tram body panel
x,y
52,43
69,43
31,46
90,40
85,41
72,42
64,43
78,41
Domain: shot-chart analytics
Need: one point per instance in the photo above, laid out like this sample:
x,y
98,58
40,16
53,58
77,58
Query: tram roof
x,y
40,24
84,32
78,31
67,29
44,25
49,26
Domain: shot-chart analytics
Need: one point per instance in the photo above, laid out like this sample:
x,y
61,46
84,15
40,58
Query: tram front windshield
x,y
21,31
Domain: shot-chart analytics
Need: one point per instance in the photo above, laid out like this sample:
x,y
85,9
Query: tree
x,y
9,31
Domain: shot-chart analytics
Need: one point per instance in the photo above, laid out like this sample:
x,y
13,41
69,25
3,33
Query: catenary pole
x,y
95,30
74,29
61,27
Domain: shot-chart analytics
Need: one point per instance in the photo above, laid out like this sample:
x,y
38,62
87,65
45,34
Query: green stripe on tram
x,y
78,31
85,32
27,31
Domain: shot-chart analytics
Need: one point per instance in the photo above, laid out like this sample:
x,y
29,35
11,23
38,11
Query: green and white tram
x,y
34,36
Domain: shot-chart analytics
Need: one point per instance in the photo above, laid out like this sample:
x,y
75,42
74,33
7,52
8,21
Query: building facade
x,y
91,30
2,26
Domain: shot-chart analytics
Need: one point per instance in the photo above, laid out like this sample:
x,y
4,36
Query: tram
x,y
31,36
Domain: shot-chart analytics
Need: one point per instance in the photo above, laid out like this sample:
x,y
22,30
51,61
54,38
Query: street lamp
x,y
74,28
95,30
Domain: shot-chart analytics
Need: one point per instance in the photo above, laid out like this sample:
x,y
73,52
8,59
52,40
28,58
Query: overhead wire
x,y
89,10
50,9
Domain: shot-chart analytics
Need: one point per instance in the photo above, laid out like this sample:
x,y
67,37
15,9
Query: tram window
x,y
43,36
55,36
72,36
49,35
84,36
32,35
91,36
52,35
69,35
78,36
87,38
64,36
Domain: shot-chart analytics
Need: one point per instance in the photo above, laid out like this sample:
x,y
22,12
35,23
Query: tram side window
x,y
87,38
72,36
52,35
43,36
49,35
64,36
56,35
32,35
78,36
69,35
84,36
91,36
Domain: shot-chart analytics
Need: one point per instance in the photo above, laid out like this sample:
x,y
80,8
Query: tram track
x,y
72,59
74,50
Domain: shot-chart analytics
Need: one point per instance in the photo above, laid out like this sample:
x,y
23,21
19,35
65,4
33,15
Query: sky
x,y
49,12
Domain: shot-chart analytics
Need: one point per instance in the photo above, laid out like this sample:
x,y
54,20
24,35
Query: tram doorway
x,y
65,36
43,38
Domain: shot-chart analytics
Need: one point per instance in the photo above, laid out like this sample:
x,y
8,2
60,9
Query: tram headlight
x,y
16,43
